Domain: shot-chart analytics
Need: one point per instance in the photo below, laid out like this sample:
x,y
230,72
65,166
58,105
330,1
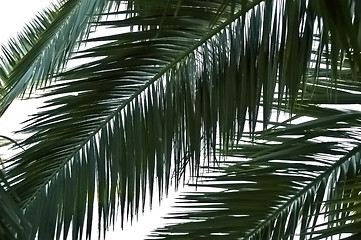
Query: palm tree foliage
x,y
172,82
297,179
280,192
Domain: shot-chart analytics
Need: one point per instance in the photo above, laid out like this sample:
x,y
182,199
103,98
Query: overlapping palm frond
x,y
13,224
297,180
343,211
149,100
12,221
29,61
277,194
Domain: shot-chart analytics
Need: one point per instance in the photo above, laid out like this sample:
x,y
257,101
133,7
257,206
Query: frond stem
x,y
144,87
301,193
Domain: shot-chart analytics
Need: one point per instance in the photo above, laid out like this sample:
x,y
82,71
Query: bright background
x,y
13,15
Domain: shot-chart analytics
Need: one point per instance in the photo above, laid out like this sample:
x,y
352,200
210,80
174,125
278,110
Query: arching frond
x,y
297,180
149,100
278,194
41,50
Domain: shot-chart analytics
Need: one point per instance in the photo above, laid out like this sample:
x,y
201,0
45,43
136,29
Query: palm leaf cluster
x,y
280,192
299,179
163,84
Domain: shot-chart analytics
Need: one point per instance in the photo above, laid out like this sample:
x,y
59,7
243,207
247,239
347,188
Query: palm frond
x,y
41,50
13,224
290,182
149,100
278,193
341,214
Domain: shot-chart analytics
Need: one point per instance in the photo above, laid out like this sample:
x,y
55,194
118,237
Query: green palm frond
x,y
278,193
184,78
342,212
13,224
41,50
297,180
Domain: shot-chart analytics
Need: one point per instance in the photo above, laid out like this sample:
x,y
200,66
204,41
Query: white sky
x,y
13,15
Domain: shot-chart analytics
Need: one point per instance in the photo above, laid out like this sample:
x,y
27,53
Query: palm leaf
x,y
43,47
277,194
13,224
299,179
342,212
149,100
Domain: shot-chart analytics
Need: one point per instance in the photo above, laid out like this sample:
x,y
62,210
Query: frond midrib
x,y
302,192
158,76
